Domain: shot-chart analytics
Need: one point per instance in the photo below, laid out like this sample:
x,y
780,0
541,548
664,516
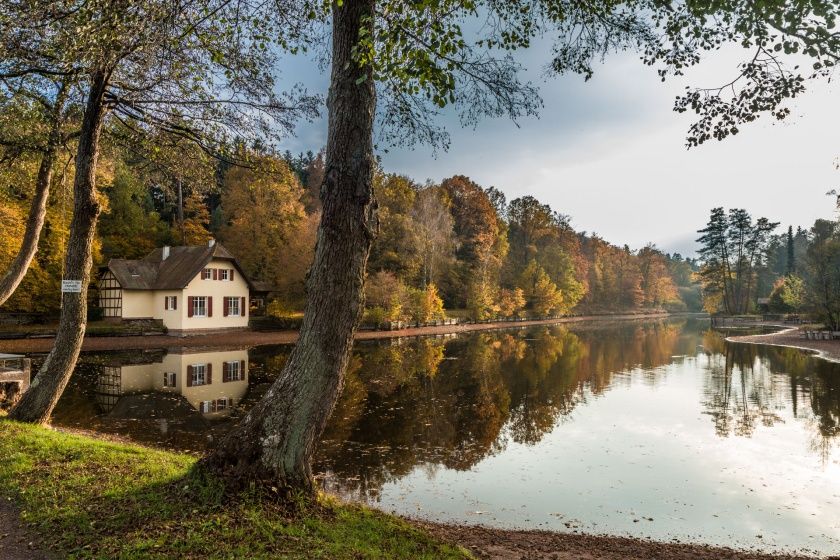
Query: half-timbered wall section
x,y
110,295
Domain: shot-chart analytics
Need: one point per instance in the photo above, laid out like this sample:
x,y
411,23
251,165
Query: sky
x,y
611,152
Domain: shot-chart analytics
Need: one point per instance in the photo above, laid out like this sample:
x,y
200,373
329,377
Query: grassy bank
x,y
88,498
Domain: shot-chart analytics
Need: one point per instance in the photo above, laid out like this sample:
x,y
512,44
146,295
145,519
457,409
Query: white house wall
x,y
150,304
138,304
217,289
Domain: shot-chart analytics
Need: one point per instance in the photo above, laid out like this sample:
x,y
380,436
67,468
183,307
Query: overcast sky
x,y
611,153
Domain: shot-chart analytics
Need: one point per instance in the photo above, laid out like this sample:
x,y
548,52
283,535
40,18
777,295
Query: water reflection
x,y
176,398
454,402
597,422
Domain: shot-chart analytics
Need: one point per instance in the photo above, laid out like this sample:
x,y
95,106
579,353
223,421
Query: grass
x,y
89,498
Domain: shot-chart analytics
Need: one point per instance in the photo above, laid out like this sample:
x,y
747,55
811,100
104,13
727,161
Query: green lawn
x,y
96,499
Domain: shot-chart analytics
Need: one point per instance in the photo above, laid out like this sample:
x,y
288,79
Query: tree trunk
x,y
274,443
38,210
38,402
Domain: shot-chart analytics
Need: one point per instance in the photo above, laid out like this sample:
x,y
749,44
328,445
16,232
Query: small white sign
x,y
71,286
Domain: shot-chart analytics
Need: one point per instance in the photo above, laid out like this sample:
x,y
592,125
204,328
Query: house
x,y
195,289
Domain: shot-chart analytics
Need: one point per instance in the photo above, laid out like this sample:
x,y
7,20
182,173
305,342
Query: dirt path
x,y
792,338
501,544
251,338
15,542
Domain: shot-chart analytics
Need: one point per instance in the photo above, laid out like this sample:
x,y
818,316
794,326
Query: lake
x,y
650,429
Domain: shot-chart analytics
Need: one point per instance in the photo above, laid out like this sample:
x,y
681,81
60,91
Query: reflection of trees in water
x,y
431,402
741,390
748,384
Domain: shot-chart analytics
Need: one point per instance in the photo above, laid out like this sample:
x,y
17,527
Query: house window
x,y
207,274
169,379
199,374
224,274
232,306
233,371
170,303
205,407
200,306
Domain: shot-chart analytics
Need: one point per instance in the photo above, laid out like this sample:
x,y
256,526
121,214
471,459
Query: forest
x,y
746,267
453,245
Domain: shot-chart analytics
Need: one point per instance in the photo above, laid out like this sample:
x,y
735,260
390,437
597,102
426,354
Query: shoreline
x,y
513,544
249,338
828,350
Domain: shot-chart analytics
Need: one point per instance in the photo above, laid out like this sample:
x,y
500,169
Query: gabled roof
x,y
153,272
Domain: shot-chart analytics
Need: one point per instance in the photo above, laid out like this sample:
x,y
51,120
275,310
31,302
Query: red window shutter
x,y
225,307
174,302
215,274
189,376
209,306
231,275
242,369
225,372
243,308
209,374
190,305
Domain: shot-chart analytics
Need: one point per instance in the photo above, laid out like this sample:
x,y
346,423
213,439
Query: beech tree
x,y
36,112
262,209
187,67
411,59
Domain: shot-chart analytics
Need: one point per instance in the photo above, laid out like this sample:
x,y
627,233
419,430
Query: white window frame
x,y
205,407
207,274
203,301
228,403
231,301
169,303
239,373
224,274
196,372
170,379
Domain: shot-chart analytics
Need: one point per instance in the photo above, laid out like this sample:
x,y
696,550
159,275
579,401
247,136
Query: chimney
x,y
211,243
165,253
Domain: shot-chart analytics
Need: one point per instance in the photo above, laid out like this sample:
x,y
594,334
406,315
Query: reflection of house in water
x,y
211,383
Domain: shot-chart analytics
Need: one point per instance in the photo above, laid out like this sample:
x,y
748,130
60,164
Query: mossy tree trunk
x,y
274,443
38,402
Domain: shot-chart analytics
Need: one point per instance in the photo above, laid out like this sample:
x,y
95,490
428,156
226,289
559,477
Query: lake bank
x,y
67,488
248,338
792,338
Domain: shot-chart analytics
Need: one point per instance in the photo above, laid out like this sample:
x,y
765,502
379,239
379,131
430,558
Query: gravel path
x,y
793,338
247,338
15,542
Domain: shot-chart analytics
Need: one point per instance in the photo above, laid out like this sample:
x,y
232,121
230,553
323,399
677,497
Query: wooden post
x,y
26,368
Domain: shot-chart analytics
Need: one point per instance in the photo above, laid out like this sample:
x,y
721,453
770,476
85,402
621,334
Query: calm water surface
x,y
655,430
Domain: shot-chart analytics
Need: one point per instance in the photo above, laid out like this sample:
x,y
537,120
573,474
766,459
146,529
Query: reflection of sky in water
x,y
652,430
640,452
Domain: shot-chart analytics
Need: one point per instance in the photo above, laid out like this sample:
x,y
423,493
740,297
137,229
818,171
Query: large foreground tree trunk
x,y
274,443
38,402
38,210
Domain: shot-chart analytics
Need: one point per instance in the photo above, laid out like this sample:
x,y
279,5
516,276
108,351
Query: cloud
x,y
611,153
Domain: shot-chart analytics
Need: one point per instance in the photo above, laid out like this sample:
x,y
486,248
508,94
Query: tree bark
x,y
38,210
38,402
274,443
